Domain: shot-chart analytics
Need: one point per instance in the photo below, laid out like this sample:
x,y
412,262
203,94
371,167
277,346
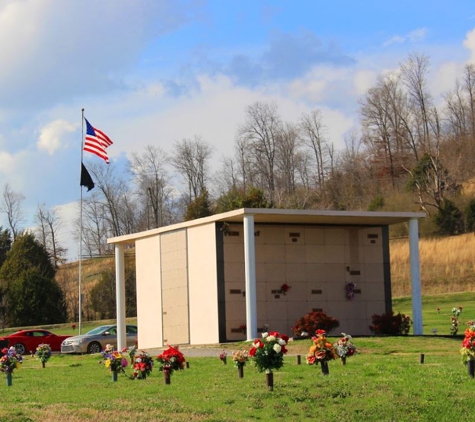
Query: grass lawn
x,y
385,381
440,320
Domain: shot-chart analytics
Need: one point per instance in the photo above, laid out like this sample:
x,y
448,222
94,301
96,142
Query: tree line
x,y
409,153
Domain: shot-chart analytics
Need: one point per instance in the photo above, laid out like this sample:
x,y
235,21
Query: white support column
x,y
415,276
250,277
120,296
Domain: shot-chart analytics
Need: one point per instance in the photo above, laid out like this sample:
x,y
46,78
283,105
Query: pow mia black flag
x,y
86,179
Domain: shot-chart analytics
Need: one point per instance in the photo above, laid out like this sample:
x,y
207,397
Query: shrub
x,y
313,321
449,219
470,216
391,324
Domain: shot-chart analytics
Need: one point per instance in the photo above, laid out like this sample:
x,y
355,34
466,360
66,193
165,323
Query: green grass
x,y
385,381
440,320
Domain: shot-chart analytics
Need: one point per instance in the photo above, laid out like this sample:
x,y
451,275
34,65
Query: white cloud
x,y
320,84
364,80
12,164
412,37
51,135
443,79
469,42
214,112
68,213
57,50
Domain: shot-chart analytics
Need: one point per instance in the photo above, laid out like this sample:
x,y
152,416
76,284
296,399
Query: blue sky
x,y
157,71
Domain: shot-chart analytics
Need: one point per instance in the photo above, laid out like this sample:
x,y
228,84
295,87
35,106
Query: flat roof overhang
x,y
285,216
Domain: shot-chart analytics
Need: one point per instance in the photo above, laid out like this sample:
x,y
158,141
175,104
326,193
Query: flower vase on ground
x,y
10,361
170,360
143,365
166,375
270,380
321,351
267,354
240,371
240,357
344,347
471,367
114,361
43,353
468,349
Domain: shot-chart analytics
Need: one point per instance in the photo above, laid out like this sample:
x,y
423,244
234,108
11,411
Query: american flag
x,y
96,142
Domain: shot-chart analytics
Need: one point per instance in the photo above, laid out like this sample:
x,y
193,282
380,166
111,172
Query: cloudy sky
x,y
158,71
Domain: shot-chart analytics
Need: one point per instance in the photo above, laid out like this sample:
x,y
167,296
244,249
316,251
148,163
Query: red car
x,y
26,341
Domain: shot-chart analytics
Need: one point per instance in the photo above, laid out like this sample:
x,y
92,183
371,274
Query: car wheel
x,y
20,348
94,347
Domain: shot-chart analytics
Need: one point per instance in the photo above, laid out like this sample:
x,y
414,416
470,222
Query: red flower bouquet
x,y
143,365
171,359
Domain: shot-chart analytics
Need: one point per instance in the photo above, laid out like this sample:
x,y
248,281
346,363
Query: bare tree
x,y
261,130
151,179
313,133
288,157
12,208
469,87
95,229
113,193
49,225
108,211
190,158
414,76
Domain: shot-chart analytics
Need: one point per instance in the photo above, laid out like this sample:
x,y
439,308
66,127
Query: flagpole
x,y
80,230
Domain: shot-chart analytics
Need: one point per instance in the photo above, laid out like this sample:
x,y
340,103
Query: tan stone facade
x,y
316,262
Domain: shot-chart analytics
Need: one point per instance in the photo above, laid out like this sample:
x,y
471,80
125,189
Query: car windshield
x,y
99,330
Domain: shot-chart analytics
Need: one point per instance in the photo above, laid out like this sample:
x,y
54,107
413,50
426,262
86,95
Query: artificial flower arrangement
x,y
344,347
171,359
468,345
350,290
114,360
223,357
131,350
268,353
240,357
284,288
43,352
143,365
321,350
10,360
455,320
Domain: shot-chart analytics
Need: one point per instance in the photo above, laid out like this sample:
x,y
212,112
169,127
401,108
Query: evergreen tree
x,y
200,207
236,198
27,280
5,244
103,294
